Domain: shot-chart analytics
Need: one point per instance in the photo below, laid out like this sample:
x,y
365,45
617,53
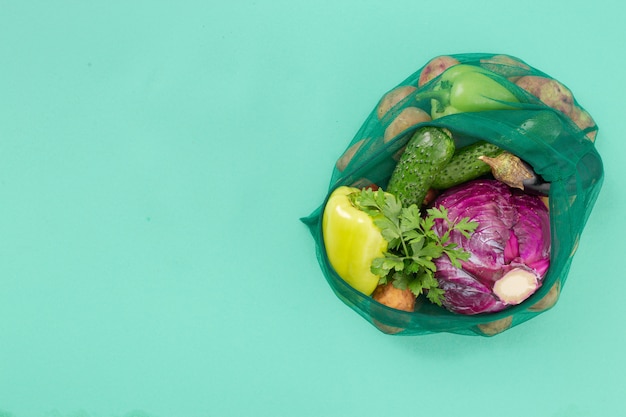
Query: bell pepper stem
x,y
442,96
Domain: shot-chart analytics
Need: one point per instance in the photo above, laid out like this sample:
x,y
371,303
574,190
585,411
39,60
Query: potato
x,y
506,65
404,120
347,156
386,328
394,297
392,98
556,95
550,91
495,327
549,300
583,120
435,67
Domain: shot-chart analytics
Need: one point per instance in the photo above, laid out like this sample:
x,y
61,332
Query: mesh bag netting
x,y
547,128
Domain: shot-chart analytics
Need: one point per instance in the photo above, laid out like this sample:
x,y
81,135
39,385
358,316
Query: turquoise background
x,y
155,158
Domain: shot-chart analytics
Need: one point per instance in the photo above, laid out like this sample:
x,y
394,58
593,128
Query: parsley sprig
x,y
412,242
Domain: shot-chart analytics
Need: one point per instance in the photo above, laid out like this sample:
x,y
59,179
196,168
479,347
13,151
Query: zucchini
x,y
465,165
427,152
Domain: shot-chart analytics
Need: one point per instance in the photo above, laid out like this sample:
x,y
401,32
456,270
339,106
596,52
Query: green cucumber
x,y
427,152
465,165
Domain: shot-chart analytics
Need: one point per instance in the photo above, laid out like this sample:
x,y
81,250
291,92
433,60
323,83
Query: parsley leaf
x,y
413,243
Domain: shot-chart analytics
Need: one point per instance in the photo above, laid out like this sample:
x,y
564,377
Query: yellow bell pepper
x,y
352,241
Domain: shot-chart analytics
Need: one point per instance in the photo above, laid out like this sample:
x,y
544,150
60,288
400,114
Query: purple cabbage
x,y
509,250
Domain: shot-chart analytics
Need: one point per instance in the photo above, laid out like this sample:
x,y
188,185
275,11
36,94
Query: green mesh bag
x,y
547,128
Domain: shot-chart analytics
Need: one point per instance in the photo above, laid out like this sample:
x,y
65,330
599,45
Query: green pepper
x,y
467,88
352,241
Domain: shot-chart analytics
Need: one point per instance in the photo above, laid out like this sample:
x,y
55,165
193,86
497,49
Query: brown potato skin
x,y
583,120
495,327
505,65
393,297
554,94
392,98
550,91
435,67
408,117
347,156
549,300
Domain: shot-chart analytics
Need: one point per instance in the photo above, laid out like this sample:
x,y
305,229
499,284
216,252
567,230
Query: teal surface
x,y
155,159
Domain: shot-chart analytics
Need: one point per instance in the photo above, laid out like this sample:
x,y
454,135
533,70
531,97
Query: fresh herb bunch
x,y
412,242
